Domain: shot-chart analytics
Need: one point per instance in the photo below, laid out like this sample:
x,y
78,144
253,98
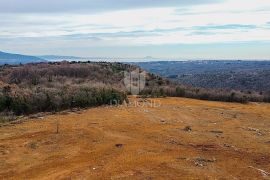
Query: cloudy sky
x,y
183,29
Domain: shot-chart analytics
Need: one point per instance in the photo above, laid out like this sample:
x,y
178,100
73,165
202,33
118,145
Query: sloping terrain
x,y
169,138
43,87
56,86
236,75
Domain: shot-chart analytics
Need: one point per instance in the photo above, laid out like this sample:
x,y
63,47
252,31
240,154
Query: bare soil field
x,y
176,138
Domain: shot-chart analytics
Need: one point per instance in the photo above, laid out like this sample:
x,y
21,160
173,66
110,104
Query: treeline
x,y
25,101
160,87
204,94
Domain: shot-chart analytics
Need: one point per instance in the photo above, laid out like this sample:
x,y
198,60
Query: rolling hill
x,y
56,86
61,58
8,58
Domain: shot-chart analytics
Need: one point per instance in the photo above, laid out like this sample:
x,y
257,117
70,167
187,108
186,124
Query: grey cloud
x,y
267,25
123,34
207,30
100,36
89,6
73,34
205,33
226,26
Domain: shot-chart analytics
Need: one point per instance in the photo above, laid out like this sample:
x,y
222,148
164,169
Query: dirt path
x,y
181,139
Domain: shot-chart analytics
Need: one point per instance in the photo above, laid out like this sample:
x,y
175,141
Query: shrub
x,y
2,102
56,100
180,92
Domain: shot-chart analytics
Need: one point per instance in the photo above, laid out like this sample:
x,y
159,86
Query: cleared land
x,y
182,138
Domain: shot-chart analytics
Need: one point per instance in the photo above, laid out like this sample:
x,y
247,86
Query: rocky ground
x,y
170,138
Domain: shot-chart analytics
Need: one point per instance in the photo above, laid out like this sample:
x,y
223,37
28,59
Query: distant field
x,y
181,138
237,75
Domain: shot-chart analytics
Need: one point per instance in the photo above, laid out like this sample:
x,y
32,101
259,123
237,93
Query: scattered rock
x,y
172,141
227,145
217,132
187,128
93,123
16,122
258,132
231,146
203,162
64,113
4,150
163,121
252,129
119,145
75,109
205,147
33,145
182,158
264,173
35,116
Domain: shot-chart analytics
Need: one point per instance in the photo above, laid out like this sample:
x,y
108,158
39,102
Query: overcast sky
x,y
184,29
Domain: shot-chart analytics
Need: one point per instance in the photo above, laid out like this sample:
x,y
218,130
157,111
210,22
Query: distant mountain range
x,y
61,58
11,58
8,58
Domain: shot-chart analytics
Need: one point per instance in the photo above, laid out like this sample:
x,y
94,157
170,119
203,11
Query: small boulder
x,y
187,128
119,145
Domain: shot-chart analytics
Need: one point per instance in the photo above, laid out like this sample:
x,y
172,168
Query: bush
x,y
180,92
56,100
2,102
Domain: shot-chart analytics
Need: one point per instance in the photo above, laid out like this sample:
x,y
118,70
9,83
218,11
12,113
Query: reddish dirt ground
x,y
180,139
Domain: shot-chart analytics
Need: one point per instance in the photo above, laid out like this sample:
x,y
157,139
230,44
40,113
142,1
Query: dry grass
x,y
225,140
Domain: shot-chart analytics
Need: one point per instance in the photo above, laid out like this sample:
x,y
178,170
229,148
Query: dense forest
x,y
42,87
230,75
56,86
